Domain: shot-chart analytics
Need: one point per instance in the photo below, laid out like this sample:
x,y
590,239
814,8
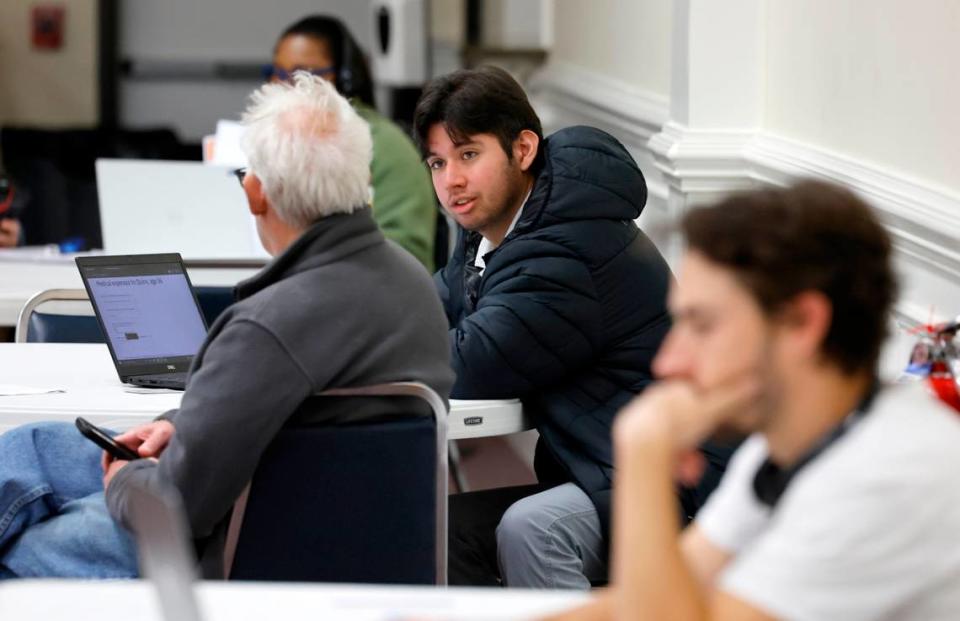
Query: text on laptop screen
x,y
149,315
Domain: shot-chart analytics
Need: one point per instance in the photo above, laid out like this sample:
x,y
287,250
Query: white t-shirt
x,y
870,529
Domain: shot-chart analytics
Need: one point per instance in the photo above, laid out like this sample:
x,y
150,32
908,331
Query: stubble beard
x,y
763,411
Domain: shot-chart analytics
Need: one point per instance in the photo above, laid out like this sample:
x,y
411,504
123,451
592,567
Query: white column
x,y
716,99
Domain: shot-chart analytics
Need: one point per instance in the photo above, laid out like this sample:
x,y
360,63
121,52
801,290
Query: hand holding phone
x,y
103,440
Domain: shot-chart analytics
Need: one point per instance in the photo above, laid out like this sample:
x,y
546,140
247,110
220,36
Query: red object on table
x,y
944,385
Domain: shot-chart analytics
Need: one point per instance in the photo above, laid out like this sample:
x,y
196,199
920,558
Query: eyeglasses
x,y
240,174
273,72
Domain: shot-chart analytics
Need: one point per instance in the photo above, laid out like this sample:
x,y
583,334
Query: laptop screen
x,y
146,308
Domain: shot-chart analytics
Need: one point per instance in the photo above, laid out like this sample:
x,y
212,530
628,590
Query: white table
x,y
92,389
134,600
26,271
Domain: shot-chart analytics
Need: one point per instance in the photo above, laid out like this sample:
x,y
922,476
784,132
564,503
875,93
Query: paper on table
x,y
14,390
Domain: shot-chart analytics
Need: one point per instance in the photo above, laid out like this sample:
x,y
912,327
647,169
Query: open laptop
x,y
157,205
149,315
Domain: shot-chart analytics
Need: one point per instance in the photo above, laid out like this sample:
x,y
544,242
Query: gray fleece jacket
x,y
341,307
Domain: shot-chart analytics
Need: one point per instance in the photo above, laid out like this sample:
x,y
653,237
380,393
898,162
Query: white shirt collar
x,y
487,246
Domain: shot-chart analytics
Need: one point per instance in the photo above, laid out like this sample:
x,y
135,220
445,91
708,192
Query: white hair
x,y
309,148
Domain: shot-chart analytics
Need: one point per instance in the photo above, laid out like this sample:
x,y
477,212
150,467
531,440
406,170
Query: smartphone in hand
x,y
103,440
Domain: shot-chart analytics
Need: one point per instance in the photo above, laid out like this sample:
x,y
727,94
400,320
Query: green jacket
x,y
404,204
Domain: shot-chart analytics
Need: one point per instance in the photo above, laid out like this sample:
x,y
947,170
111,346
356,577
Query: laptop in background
x,y
149,315
157,206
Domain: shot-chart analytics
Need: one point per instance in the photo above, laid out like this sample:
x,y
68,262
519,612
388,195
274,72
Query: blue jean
x,y
53,518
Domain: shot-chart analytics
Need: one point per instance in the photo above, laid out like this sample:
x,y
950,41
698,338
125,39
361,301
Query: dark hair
x,y
485,100
810,236
353,78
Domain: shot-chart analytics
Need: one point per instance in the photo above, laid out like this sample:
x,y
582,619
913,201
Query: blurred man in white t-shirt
x,y
843,502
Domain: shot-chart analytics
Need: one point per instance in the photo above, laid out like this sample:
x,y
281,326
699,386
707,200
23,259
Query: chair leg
x,y
453,456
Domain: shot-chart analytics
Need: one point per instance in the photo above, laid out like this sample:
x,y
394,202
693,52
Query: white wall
x,y
212,30
447,35
879,83
49,88
610,67
225,29
711,97
626,40
517,24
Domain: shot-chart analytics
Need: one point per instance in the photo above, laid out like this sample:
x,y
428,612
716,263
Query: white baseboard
x,y
924,219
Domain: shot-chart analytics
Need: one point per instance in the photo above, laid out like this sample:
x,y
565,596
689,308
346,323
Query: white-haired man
x,y
296,327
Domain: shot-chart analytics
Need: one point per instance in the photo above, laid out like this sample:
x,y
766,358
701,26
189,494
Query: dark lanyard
x,y
771,480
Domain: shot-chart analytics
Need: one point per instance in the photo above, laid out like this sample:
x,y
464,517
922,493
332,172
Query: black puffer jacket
x,y
570,309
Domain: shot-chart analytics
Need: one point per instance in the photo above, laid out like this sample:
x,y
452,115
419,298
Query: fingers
x,y
115,467
690,466
148,440
105,460
128,438
156,440
729,398
9,232
682,415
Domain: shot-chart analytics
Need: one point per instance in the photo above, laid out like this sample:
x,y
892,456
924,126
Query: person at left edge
x,y
11,200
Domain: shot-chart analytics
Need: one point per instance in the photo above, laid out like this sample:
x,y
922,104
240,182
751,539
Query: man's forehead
x,y
440,134
701,283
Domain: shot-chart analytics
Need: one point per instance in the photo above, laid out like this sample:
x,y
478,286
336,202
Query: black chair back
x,y
350,502
213,301
343,504
52,328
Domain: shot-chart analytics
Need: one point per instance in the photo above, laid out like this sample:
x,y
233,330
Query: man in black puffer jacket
x,y
554,296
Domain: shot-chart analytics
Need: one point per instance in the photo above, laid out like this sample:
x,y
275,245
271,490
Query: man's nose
x,y
454,177
673,359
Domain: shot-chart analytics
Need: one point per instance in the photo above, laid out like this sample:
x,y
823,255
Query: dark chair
x,y
213,301
348,503
37,327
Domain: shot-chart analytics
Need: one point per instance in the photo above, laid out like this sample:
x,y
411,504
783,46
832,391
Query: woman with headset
x,y
403,200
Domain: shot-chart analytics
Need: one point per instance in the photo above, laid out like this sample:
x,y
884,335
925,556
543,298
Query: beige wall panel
x,y
627,40
49,88
877,81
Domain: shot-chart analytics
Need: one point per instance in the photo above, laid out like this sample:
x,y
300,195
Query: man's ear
x,y
525,148
805,321
256,198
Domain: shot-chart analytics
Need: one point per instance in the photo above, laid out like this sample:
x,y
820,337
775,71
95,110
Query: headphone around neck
x,y
771,481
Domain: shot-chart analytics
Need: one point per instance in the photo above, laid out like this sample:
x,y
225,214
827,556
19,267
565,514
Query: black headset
x,y
345,71
771,481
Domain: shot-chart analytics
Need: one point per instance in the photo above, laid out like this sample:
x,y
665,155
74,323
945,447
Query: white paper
x,y
226,148
14,390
